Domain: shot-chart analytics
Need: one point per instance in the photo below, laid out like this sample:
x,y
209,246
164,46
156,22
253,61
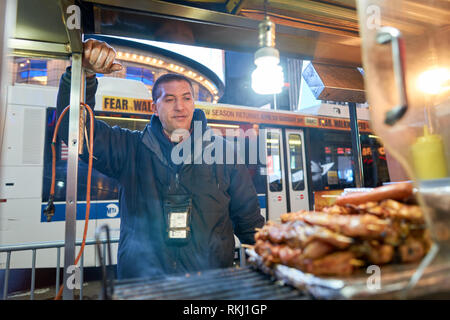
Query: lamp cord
x,y
90,142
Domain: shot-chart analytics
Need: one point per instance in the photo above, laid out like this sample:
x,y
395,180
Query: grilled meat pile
x,y
346,236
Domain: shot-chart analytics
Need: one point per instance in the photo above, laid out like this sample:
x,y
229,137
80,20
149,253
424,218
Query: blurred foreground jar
x,y
406,61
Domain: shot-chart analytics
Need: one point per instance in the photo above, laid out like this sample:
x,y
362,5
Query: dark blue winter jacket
x,y
223,196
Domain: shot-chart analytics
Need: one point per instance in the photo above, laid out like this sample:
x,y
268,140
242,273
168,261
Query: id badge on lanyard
x,y
177,214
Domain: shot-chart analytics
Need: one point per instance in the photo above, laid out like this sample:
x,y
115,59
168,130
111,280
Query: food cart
x,y
399,46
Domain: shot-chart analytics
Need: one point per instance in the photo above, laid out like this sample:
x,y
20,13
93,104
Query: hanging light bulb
x,y
268,76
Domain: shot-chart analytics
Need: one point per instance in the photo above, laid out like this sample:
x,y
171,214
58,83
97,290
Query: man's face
x,y
175,106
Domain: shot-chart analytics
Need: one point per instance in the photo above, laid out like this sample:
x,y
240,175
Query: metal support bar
x,y
33,274
81,275
7,21
74,35
49,245
58,268
5,284
356,146
72,169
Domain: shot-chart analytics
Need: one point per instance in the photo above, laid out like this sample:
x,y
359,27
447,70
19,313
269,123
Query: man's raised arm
x,y
112,146
98,57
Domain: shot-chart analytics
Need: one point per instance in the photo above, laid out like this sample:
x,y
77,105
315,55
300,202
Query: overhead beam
x,y
38,48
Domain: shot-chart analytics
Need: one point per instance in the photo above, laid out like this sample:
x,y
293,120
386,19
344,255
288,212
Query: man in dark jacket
x,y
175,217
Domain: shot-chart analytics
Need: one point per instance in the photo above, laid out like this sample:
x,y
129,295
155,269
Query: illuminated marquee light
x,y
42,79
221,125
161,64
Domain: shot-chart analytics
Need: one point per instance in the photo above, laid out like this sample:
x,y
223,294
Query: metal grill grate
x,y
220,284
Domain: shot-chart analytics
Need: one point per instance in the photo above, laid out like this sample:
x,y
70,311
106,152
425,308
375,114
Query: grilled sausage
x,y
396,191
348,225
337,263
413,250
317,249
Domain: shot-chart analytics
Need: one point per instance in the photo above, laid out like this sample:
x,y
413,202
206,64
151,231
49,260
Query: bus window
x,y
374,161
274,162
332,164
296,162
128,123
256,170
344,166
